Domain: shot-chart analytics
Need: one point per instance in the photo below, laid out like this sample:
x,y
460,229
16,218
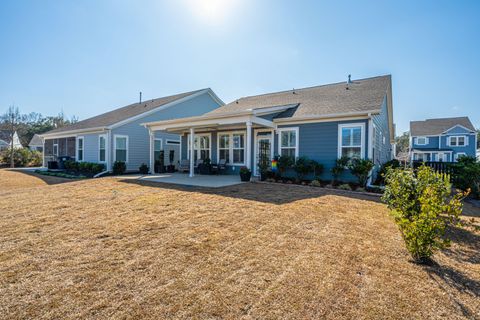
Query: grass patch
x,y
111,248
60,174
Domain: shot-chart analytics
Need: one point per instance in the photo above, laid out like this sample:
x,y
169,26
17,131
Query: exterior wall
x,y
382,148
470,147
319,141
432,143
138,136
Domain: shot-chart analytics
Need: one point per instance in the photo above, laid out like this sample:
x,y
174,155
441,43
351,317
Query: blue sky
x,y
88,57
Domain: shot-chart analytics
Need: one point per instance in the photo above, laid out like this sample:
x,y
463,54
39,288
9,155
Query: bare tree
x,y
11,120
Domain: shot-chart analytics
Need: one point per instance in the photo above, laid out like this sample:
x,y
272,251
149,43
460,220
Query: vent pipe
x,y
140,97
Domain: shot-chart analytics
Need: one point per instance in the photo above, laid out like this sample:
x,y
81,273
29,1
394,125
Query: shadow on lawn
x,y
262,192
47,179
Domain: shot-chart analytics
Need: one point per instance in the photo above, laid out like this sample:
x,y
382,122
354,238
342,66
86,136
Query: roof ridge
x,y
312,87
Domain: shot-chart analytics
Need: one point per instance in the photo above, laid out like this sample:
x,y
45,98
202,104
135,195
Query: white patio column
x,y
192,151
43,152
151,153
109,151
249,145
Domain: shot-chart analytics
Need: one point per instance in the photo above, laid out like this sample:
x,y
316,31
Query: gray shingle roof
x,y
438,126
362,95
117,115
36,141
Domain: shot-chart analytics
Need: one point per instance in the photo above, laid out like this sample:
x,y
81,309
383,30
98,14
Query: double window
x,y
351,139
288,144
121,148
102,147
457,141
80,148
201,146
231,147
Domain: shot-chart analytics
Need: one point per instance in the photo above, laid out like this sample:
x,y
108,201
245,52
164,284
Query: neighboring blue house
x,y
443,139
352,118
118,134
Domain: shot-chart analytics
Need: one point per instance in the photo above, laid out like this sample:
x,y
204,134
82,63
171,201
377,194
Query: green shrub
x,y
345,186
380,180
361,168
284,163
423,207
467,175
119,167
22,157
143,169
317,169
303,166
337,170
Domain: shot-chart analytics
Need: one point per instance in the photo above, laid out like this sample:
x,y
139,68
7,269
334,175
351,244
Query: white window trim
x,y
297,140
465,141
200,135
115,136
161,144
56,153
169,142
230,146
421,144
104,136
362,137
77,149
457,155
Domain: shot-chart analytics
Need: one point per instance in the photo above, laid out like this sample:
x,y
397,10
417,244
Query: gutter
x,y
70,133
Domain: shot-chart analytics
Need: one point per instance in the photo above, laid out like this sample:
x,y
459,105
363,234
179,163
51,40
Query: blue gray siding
x,y
382,148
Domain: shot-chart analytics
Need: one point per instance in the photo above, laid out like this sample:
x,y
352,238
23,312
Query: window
x,y
201,146
224,147
157,147
79,148
231,147
459,155
102,148
457,141
238,147
351,140
421,141
173,142
121,148
288,145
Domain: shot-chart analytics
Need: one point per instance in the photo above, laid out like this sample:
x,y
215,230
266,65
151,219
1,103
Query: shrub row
x,y
88,168
304,167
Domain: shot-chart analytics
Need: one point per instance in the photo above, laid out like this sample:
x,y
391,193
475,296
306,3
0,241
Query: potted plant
x,y
171,156
205,167
245,174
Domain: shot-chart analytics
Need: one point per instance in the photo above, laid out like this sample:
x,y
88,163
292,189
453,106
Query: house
x,y
36,143
118,136
443,139
6,140
352,118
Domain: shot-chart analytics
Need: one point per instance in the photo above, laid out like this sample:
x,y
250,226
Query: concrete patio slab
x,y
198,180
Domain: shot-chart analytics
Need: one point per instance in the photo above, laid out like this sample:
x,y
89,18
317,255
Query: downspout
x,y
370,148
109,150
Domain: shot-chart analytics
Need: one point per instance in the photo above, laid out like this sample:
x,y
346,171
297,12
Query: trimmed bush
x,y
143,169
303,166
284,163
423,208
119,167
361,168
316,183
467,175
345,186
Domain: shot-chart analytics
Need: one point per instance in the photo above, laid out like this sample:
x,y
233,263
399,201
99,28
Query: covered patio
x,y
236,138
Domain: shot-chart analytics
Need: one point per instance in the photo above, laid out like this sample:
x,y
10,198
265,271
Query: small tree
x,y
317,169
422,207
11,120
361,168
284,163
337,170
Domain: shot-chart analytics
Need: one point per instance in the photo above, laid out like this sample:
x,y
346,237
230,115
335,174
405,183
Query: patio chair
x,y
184,165
220,166
198,163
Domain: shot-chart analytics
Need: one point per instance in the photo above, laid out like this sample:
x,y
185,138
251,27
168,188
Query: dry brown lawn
x,y
107,248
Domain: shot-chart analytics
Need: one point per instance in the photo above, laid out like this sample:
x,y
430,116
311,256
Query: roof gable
x,y
439,126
